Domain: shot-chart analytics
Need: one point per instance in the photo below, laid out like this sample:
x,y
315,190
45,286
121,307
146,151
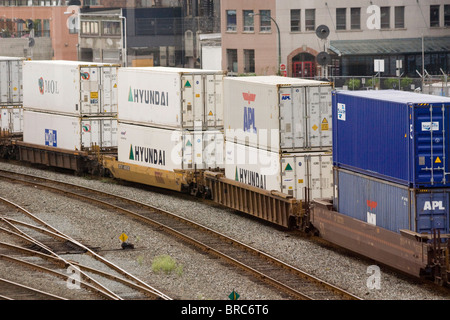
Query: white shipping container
x,y
69,132
11,91
289,173
175,98
277,113
11,119
170,149
70,87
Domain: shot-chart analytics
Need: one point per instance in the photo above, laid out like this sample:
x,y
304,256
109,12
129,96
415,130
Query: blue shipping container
x,y
391,206
399,136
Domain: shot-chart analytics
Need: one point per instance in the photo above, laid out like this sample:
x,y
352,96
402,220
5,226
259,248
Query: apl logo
x,y
433,205
371,204
41,85
249,97
249,113
371,217
285,97
249,119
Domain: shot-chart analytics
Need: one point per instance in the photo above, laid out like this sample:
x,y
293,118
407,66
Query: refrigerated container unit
x,y
170,150
398,136
176,98
70,87
11,91
278,114
303,175
69,132
389,205
11,119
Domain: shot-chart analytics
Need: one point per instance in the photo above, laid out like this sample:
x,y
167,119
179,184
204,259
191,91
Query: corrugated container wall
x,y
170,149
11,91
389,205
176,98
69,132
399,136
278,114
11,119
289,173
70,87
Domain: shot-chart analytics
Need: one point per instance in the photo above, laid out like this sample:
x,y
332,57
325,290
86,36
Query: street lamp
x,y
279,40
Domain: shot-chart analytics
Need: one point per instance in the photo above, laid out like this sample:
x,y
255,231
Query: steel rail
x,y
57,274
274,282
41,245
27,288
56,233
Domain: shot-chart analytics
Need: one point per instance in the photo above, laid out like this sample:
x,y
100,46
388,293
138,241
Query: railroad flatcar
x,y
407,244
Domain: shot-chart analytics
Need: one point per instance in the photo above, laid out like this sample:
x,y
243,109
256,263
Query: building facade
x,y
361,32
51,34
249,37
147,33
353,35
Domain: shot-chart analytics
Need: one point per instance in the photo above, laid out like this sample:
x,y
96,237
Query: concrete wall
x,y
14,47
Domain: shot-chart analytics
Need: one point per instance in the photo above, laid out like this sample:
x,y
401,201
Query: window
x,y
248,21
434,16
265,23
38,28
20,28
355,18
447,15
310,19
46,30
295,20
89,27
232,60
385,17
111,28
341,18
399,17
249,61
231,20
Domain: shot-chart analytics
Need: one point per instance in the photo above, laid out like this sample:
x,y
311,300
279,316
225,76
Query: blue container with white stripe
x,y
389,205
399,136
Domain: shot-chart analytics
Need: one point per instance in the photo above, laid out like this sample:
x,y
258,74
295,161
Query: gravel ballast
x,y
202,277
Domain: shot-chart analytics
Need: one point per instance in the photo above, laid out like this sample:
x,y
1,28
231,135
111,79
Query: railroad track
x,y
11,290
34,245
291,280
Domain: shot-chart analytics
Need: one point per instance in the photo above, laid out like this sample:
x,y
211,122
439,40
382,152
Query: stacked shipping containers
x,y
171,118
11,97
70,105
278,134
390,155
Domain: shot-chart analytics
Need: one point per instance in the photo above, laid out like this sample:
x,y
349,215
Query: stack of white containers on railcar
x,y
70,104
171,118
278,134
11,96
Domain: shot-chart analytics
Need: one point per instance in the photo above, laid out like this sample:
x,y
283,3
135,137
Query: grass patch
x,y
166,264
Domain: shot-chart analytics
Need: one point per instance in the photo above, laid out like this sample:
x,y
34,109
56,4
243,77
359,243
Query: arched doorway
x,y
304,65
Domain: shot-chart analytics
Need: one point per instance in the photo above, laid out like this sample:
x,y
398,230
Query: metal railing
x,y
436,85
